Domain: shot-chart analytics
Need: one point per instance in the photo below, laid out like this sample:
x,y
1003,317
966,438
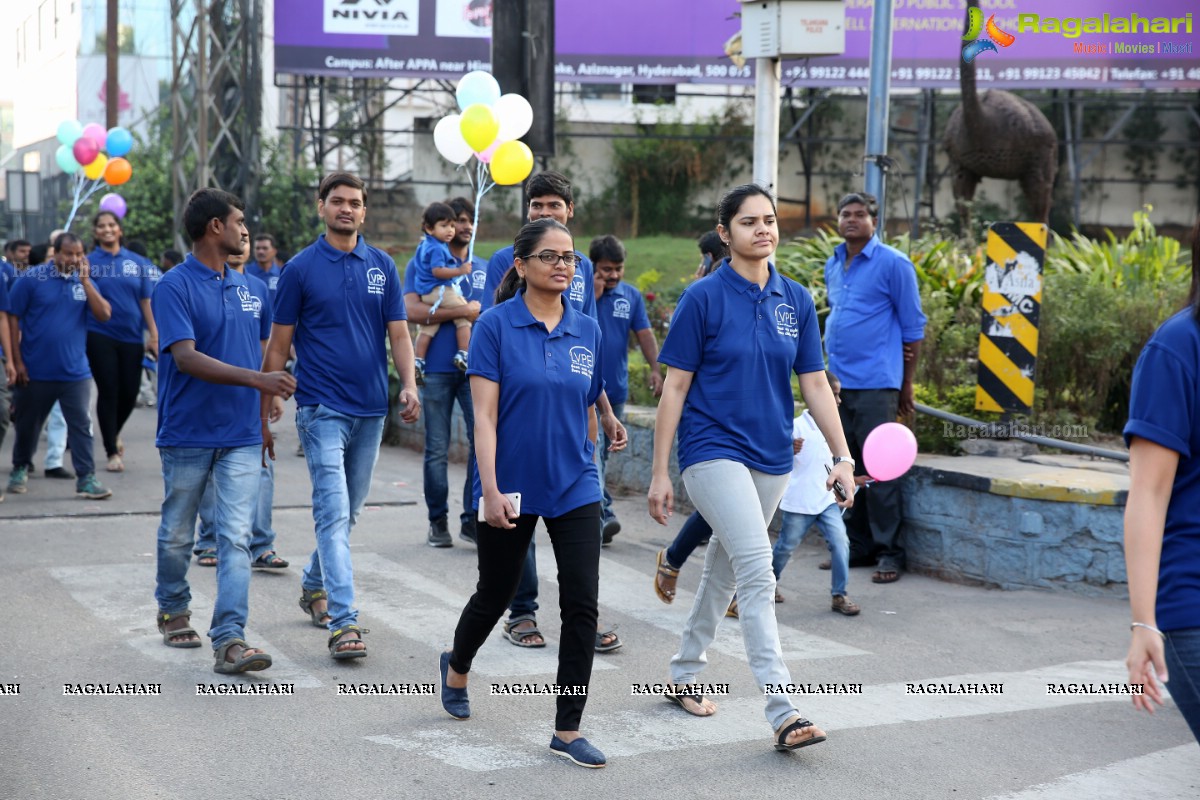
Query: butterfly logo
x,y
975,26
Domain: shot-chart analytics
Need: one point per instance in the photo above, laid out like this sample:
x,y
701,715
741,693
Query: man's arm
x,y
417,309
10,370
191,361
14,353
101,309
148,316
404,359
275,355
908,399
649,347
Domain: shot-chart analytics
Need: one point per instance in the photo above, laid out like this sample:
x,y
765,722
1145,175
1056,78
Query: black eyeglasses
x,y
550,258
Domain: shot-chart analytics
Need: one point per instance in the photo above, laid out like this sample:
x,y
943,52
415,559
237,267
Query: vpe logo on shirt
x,y
248,300
256,304
78,293
786,322
577,289
376,280
621,309
479,279
582,361
129,268
273,282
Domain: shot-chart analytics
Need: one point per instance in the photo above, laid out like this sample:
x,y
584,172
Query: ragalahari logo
x,y
976,45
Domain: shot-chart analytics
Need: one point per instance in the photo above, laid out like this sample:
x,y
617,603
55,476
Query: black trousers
x,y
117,370
874,525
575,537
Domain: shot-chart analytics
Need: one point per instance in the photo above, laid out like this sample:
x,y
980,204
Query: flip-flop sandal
x,y
251,663
336,637
614,644
269,561
187,630
781,739
678,699
207,558
320,619
519,637
665,579
880,576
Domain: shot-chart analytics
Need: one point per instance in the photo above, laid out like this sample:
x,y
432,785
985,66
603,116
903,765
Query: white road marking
x,y
1171,773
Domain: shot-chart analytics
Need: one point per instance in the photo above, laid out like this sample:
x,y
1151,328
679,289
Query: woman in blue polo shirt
x,y
534,381
735,340
1162,514
115,348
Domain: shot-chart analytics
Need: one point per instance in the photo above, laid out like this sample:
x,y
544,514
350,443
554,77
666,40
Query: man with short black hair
x,y
264,266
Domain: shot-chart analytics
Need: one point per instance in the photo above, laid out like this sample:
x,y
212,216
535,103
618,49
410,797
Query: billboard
x,y
1086,44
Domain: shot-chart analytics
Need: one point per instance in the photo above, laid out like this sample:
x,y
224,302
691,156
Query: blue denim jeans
x,y
56,437
186,472
262,536
1183,666
694,531
606,512
341,452
832,527
437,407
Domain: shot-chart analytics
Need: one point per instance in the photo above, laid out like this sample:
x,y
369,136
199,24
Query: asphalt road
x,y
78,581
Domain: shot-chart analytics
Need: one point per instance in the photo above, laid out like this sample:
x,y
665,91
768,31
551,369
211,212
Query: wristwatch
x,y
839,459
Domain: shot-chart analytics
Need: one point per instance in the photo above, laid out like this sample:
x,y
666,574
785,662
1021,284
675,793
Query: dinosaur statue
x,y
999,135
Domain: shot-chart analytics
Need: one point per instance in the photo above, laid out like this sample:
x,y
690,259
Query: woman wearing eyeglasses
x,y
533,359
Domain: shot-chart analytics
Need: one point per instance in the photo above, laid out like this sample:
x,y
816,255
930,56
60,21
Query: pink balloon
x,y
889,451
85,150
96,132
486,155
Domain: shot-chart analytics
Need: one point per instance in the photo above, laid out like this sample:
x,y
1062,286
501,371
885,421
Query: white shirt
x,y
806,492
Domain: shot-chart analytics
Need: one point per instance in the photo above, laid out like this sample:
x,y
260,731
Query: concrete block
x,y
966,555
1063,562
1031,523
1008,562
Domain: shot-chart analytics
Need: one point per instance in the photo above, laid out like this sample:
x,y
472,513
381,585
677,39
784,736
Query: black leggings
x,y
575,537
117,370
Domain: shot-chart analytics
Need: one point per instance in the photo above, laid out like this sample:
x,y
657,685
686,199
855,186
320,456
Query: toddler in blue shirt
x,y
437,282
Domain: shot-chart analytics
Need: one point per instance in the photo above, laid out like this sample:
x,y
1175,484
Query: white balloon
x,y
448,139
515,115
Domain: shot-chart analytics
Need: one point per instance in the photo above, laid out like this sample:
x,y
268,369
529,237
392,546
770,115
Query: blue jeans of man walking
x,y
438,396
186,472
1182,654
262,535
341,452
832,527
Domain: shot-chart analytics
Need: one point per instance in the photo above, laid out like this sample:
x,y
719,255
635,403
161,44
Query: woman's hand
x,y
843,473
662,498
498,511
1144,661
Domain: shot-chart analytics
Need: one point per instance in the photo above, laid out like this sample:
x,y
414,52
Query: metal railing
x,y
1004,430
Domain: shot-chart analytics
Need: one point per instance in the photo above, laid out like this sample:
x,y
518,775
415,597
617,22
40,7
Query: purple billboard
x,y
1098,44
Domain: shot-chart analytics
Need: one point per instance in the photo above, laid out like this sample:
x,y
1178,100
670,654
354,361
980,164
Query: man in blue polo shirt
x,y
445,383
209,387
875,318
49,304
620,310
342,302
264,266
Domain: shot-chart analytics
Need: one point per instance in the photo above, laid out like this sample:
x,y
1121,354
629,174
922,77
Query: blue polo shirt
x,y
270,277
218,314
1164,408
875,308
582,293
619,311
53,311
341,304
440,355
431,253
743,344
123,279
548,381
261,295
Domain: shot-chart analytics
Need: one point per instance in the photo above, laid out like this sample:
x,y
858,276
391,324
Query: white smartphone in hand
x,y
514,498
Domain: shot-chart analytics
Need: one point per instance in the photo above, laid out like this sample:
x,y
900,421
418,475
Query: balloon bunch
x,y
488,129
96,158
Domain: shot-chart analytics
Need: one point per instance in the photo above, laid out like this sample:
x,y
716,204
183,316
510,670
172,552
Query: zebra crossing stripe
x,y
1166,773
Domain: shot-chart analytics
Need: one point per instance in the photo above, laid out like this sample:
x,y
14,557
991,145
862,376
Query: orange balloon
x,y
117,172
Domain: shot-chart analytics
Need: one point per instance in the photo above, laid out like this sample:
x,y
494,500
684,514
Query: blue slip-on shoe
x,y
453,700
579,752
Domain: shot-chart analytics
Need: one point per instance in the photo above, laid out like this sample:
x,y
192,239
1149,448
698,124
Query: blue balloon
x,y
118,142
477,87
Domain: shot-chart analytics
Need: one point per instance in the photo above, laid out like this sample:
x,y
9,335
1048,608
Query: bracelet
x,y
1133,625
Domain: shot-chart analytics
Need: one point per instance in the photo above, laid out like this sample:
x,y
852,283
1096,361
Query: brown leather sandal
x,y
665,578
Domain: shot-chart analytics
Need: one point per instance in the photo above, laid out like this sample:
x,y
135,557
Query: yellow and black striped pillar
x,y
1012,302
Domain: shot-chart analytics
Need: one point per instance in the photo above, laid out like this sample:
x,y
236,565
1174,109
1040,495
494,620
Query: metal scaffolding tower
x,y
216,100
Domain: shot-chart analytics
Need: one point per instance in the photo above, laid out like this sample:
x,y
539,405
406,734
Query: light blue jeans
x,y
832,527
738,503
56,437
341,452
262,536
186,472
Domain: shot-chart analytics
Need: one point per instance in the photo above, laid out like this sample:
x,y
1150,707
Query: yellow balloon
x,y
479,127
511,163
95,169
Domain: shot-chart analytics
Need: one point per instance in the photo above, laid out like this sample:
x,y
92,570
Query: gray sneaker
x,y
18,480
89,488
439,534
